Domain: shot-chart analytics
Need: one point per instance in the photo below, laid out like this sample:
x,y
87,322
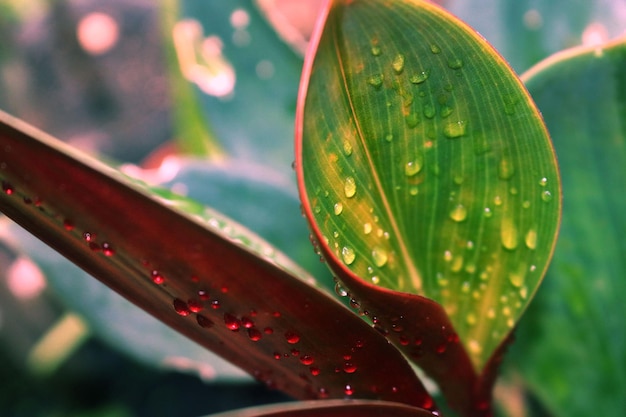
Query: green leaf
x,y
193,134
200,273
527,31
331,408
425,167
575,331
254,121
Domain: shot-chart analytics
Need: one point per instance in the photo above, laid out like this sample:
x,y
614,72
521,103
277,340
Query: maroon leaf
x,y
196,278
332,409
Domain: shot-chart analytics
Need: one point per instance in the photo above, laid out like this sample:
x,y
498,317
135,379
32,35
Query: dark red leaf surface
x,y
333,409
281,329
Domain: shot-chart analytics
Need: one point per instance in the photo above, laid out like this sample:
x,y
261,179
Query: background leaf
x,y
572,345
205,276
425,167
254,121
527,31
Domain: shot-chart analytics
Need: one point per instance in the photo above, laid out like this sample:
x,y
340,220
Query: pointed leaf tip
x,y
424,166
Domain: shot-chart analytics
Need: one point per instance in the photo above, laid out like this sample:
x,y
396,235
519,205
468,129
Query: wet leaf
x,y
262,200
331,409
574,331
198,272
425,168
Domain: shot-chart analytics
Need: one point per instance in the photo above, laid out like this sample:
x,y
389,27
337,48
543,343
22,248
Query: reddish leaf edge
x,y
332,408
208,286
416,325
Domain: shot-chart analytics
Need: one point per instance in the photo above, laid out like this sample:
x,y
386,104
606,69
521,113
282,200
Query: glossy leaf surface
x,y
425,167
572,347
208,278
331,408
261,200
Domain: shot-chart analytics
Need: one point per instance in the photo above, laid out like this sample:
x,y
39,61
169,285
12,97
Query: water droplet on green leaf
x,y
458,213
348,255
546,196
419,77
380,257
454,130
375,80
349,187
376,51
414,166
509,234
531,239
338,208
455,63
347,148
505,169
435,49
398,63
412,119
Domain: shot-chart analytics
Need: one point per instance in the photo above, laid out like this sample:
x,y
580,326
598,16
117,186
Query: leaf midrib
x,y
406,258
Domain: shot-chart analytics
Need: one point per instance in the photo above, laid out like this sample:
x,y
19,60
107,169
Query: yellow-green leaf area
x,y
450,189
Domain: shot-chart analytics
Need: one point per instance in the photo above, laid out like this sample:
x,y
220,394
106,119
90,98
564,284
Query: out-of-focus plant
x,y
430,187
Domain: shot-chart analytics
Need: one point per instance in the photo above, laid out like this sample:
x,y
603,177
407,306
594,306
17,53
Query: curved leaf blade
x,y
574,330
211,280
331,408
425,166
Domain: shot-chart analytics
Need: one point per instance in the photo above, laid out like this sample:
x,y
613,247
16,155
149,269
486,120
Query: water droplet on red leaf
x,y
268,330
348,390
157,278
68,224
181,307
204,321
232,322
247,322
314,371
349,368
204,295
307,360
195,305
89,237
107,250
292,337
215,304
254,334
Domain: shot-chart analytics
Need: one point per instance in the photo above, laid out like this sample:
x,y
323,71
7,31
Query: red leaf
x,y
207,285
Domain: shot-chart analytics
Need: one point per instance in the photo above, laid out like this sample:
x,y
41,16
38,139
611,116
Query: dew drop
x,y
508,234
338,208
89,237
546,196
348,255
181,307
471,319
474,347
314,371
195,306
455,63
435,49
68,225
458,213
347,148
516,279
107,250
414,166
487,212
543,182
203,294
376,80
367,228
307,359
375,51
157,278
292,337
349,368
204,321
247,322
389,137
380,257
232,322
454,130
445,111
531,239
349,187
348,390
398,64
419,77
268,330
412,120
505,169
254,334
429,111
7,188
340,291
